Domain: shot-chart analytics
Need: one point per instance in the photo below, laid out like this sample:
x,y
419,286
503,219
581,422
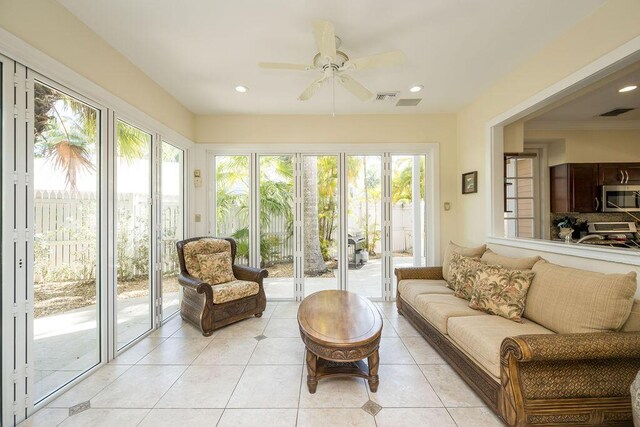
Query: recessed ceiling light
x,y
416,88
628,88
241,89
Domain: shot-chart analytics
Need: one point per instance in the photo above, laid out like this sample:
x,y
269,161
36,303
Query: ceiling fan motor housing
x,y
338,61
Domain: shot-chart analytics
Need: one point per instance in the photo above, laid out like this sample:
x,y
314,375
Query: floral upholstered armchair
x,y
216,292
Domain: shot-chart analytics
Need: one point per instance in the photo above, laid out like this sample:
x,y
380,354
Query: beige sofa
x,y
571,360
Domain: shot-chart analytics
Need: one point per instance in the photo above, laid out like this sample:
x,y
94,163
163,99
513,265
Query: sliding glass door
x,y
408,207
364,225
133,230
171,223
324,221
276,215
321,222
65,204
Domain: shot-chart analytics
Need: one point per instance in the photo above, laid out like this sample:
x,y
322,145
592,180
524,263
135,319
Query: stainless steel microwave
x,y
616,198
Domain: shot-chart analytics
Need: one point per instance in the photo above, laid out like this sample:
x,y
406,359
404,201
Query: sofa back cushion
x,y
633,321
202,247
453,248
493,258
567,300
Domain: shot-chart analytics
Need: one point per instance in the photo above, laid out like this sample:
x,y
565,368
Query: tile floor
x,y
252,374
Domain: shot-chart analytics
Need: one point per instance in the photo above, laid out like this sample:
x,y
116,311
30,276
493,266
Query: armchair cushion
x,y
233,290
202,246
216,268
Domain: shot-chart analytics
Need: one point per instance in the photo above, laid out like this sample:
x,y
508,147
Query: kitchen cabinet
x,y
618,173
574,187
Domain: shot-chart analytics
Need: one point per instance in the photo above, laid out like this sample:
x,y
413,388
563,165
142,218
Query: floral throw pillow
x,y
216,268
462,272
501,291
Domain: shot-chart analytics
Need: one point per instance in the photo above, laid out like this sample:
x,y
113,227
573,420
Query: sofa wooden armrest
x,y
252,274
579,379
426,273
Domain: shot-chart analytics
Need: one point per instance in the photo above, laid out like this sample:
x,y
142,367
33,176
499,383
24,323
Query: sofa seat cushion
x,y
233,290
411,288
437,309
567,300
481,336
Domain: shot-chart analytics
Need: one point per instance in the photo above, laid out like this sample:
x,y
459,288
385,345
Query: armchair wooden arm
x,y
568,378
242,272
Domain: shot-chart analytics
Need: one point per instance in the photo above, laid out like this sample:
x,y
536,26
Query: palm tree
x,y
314,264
66,133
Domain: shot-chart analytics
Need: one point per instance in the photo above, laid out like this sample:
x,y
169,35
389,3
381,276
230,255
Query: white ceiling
x,y
589,106
199,50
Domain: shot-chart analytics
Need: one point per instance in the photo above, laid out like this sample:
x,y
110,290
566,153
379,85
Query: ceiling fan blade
x,y
312,88
325,38
355,88
387,59
285,66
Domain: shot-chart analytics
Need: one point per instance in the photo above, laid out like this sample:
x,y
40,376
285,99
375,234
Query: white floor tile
x,y
278,351
90,386
393,352
334,393
227,351
450,388
106,418
175,351
268,387
404,386
422,351
335,418
475,417
202,387
46,417
181,417
140,387
423,417
282,328
258,417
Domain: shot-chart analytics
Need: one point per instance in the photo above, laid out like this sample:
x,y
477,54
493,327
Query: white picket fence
x,y
402,233
66,235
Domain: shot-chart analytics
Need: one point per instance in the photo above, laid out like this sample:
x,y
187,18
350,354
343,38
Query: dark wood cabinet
x,y
618,173
574,187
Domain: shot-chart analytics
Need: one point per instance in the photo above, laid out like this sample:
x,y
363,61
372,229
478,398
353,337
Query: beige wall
x,y
356,129
49,27
615,23
589,146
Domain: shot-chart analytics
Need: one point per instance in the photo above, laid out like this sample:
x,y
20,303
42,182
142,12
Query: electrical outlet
x,y
198,217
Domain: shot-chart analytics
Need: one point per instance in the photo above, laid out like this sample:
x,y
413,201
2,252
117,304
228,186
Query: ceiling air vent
x,y
408,102
615,112
386,96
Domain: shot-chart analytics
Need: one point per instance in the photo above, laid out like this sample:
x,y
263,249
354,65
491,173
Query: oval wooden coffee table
x,y
339,329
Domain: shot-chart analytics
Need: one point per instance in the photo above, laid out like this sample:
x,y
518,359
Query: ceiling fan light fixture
x,y
241,89
416,88
628,88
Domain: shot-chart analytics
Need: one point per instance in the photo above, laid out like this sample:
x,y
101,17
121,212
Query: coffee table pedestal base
x,y
318,368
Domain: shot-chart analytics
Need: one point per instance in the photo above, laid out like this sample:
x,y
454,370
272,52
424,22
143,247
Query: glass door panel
x,y
232,186
66,158
320,222
133,228
172,223
276,216
408,246
364,225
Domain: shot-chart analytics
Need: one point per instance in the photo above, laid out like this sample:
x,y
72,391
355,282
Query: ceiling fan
x,y
334,64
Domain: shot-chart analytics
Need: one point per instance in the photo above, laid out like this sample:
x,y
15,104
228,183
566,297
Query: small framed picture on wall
x,y
470,182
